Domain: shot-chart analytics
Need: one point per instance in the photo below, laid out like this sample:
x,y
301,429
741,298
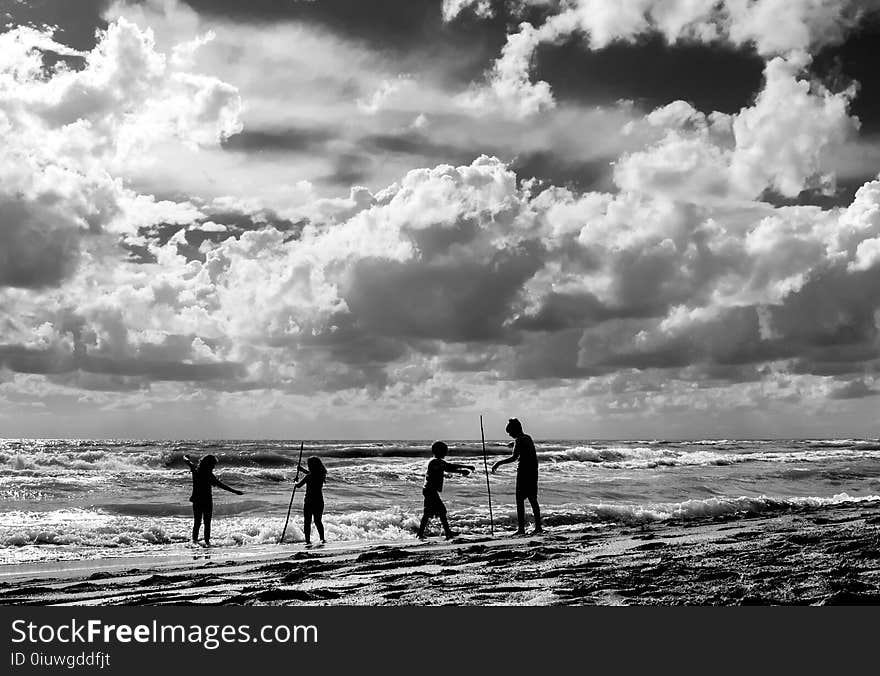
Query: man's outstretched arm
x,y
513,458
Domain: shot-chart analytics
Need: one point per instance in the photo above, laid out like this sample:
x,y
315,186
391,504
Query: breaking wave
x,y
75,534
645,457
89,534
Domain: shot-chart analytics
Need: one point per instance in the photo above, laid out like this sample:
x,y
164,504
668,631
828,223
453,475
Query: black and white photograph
x,y
439,303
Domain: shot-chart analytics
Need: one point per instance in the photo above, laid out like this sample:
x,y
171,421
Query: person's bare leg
x,y
207,517
536,510
520,515
446,529
197,523
307,526
424,524
319,525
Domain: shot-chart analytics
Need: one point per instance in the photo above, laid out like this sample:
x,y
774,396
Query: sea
x,y
73,499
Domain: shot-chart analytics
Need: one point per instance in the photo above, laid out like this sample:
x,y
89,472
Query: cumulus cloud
x,y
463,255
63,131
329,112
674,286
779,289
452,8
552,285
509,86
771,27
66,132
785,142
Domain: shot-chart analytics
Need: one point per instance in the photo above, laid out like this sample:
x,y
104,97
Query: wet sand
x,y
810,557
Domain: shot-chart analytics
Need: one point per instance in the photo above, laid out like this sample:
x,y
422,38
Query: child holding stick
x,y
313,505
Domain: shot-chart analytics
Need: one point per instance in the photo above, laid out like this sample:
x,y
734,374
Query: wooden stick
x,y
488,488
295,481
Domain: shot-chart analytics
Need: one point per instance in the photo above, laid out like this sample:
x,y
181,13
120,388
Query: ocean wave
x,y
71,534
125,456
183,508
719,506
857,444
90,460
642,457
610,514
66,534
122,461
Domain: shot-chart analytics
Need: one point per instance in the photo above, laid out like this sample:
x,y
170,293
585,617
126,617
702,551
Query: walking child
x,y
526,458
313,505
203,502
434,506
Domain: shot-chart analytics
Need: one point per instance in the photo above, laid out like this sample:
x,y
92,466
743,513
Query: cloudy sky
x,y
336,218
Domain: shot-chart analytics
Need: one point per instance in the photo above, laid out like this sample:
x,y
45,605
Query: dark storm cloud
x,y
842,195
352,361
832,368
37,247
550,356
732,339
833,314
161,370
457,301
29,360
560,311
99,382
550,167
279,141
420,145
828,327
48,361
348,344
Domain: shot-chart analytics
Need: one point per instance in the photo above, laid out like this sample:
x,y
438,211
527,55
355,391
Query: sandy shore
x,y
822,557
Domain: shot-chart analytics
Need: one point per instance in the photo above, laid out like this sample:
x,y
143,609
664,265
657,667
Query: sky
x,y
339,219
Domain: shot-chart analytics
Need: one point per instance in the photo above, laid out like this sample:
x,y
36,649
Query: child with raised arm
x,y
203,502
434,506
313,505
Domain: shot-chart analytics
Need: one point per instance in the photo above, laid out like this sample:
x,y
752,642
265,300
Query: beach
x,y
69,500
710,521
802,556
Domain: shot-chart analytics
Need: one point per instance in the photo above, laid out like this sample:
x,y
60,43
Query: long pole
x,y
488,488
295,481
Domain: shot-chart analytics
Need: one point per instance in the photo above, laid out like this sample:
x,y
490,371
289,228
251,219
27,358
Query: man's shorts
x,y
527,486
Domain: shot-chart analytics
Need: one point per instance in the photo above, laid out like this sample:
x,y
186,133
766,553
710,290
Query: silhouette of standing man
x,y
526,457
